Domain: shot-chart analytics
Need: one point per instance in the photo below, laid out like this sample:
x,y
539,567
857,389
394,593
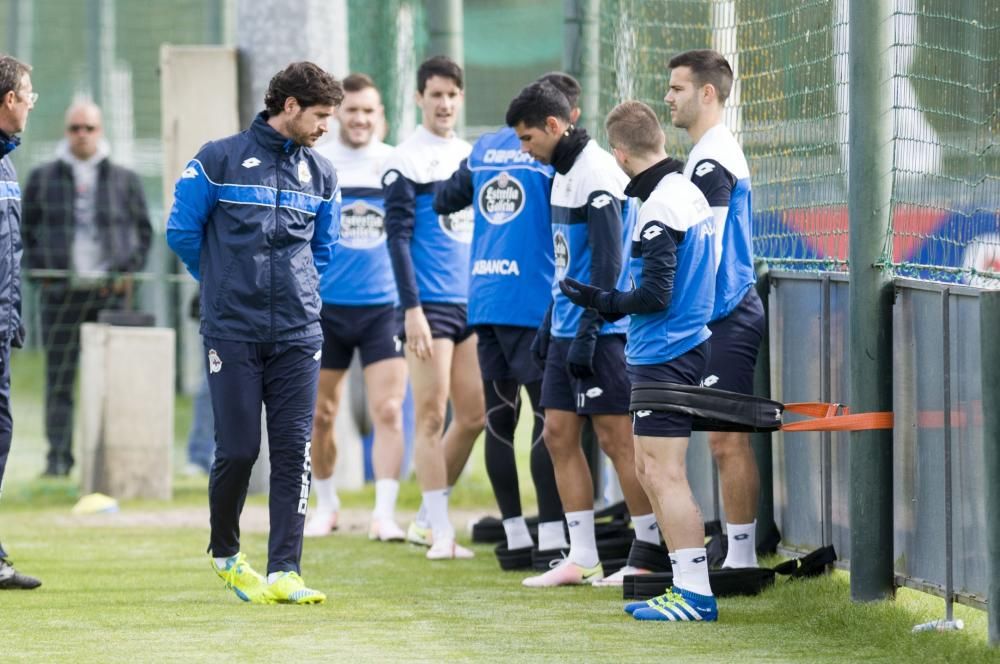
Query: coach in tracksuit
x,y
672,269
584,373
509,292
254,220
16,101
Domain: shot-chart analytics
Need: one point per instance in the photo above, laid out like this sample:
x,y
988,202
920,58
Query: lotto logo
x,y
704,169
189,172
643,413
600,201
709,381
214,362
389,178
651,232
251,162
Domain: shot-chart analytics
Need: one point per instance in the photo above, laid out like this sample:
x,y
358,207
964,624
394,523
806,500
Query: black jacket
x,y
121,216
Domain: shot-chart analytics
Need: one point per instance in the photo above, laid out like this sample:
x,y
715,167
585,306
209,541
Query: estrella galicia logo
x,y
458,225
501,198
362,225
561,249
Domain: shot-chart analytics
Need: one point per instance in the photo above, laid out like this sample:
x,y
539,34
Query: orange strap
x,y
834,417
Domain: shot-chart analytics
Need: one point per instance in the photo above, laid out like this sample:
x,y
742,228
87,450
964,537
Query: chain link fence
x,y
789,109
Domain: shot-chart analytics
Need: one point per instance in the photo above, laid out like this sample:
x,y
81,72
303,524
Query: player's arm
x,y
326,228
400,209
604,235
716,183
658,247
195,194
456,192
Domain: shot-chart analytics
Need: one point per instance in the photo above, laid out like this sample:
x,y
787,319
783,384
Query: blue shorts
x,y
607,392
686,369
446,320
735,343
505,353
370,329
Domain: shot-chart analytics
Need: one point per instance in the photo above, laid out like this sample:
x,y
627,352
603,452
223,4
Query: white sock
x,y
693,565
742,544
327,501
223,563
421,518
676,567
386,492
552,536
646,529
437,514
273,576
518,536
582,539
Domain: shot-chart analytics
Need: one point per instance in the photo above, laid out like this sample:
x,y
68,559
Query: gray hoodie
x,y
88,254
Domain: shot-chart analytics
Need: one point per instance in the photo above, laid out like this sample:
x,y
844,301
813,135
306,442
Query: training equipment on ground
x,y
513,559
732,582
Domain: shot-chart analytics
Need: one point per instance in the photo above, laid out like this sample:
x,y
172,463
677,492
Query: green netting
x,y
790,111
387,41
946,194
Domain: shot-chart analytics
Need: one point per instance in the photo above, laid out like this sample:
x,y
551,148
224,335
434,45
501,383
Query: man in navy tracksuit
x,y
672,269
254,220
16,101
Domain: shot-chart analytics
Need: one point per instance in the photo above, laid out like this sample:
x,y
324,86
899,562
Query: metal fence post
x,y
580,58
989,323
871,293
761,442
581,53
445,37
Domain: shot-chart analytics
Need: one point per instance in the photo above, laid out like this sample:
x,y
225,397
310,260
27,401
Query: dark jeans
x,y
63,311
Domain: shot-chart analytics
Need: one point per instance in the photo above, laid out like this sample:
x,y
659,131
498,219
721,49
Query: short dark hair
x,y
438,65
565,84
12,71
707,66
357,82
633,125
310,84
535,103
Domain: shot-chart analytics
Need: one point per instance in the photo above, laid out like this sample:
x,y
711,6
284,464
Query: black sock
x,y
549,505
502,406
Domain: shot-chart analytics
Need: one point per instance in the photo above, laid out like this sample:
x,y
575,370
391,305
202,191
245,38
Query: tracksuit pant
x,y
283,377
6,421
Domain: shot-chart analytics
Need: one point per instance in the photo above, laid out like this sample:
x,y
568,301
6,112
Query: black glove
x,y
580,293
18,340
540,346
589,297
580,358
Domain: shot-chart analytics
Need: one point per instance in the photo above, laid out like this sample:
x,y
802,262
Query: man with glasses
x,y
86,225
16,100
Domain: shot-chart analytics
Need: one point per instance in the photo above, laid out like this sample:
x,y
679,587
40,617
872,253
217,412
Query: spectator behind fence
x,y
16,101
86,225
